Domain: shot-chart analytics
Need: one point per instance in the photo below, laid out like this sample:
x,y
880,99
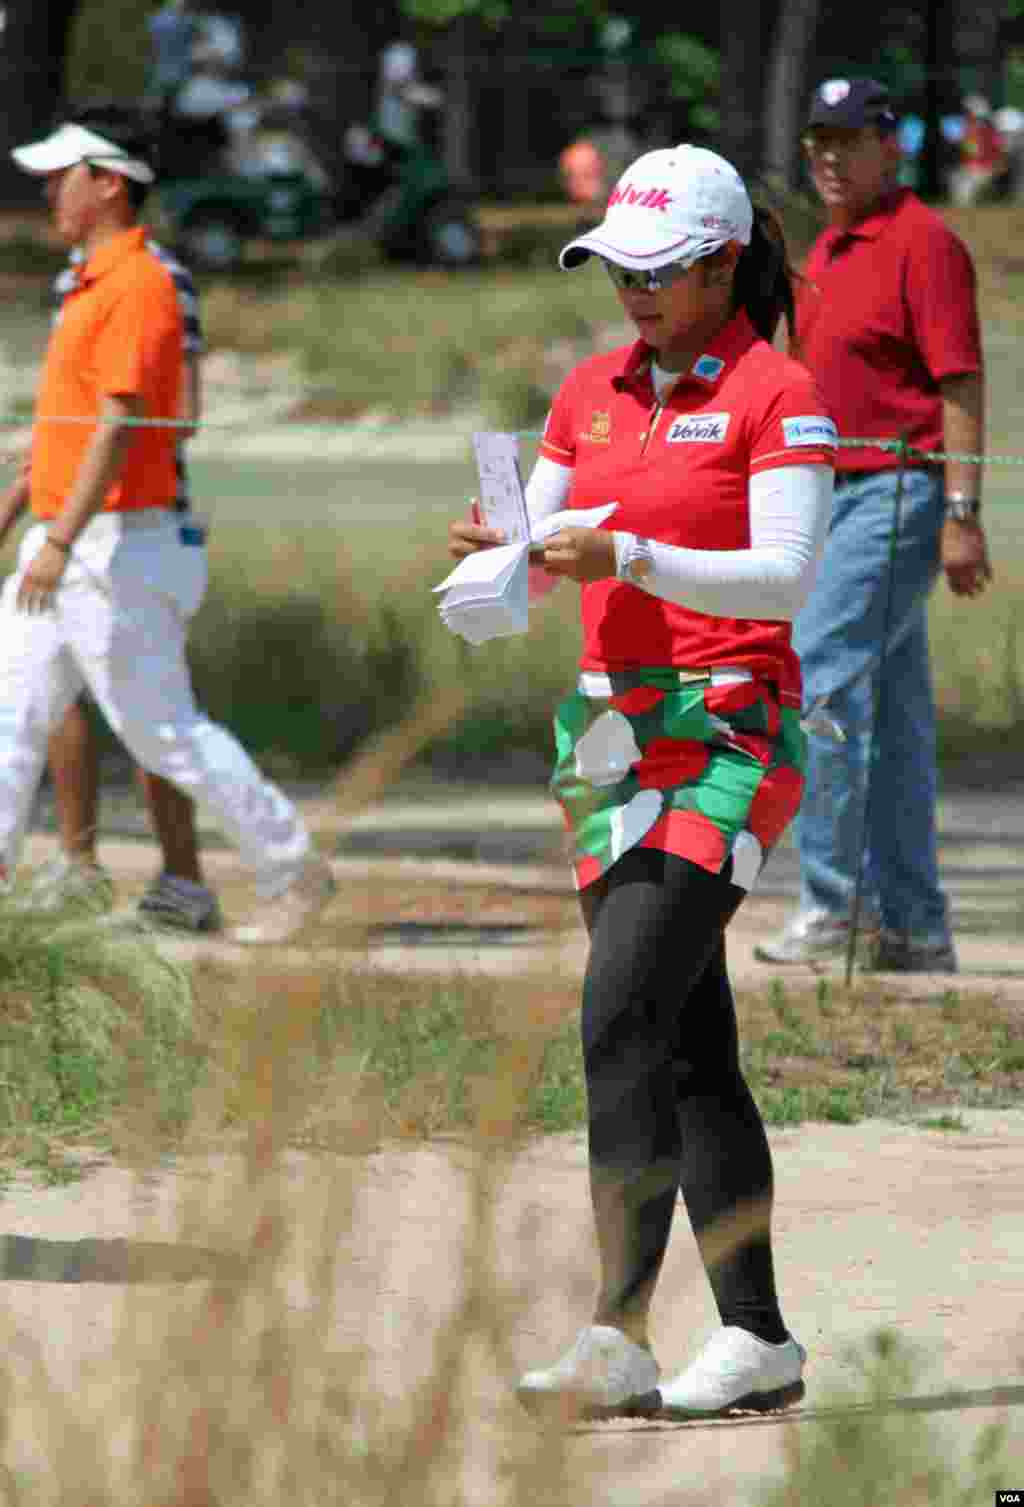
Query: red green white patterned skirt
x,y
707,765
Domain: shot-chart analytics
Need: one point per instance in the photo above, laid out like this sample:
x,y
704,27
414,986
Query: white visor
x,y
70,144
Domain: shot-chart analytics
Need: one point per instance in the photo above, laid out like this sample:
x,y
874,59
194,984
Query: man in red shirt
x,y
887,323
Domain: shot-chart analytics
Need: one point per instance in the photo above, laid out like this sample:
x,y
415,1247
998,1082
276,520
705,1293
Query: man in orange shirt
x,y
108,578
73,880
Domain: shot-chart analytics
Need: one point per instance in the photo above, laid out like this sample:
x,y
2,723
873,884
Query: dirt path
x,y
877,1225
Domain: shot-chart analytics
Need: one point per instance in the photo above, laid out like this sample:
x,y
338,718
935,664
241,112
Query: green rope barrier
x,y
910,453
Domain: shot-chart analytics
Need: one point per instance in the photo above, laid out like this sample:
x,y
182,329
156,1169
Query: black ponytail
x,y
763,281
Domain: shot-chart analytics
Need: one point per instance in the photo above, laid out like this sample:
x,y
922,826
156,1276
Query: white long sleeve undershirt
x,y
789,515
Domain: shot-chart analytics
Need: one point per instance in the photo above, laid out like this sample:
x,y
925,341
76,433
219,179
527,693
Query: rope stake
x,y
877,694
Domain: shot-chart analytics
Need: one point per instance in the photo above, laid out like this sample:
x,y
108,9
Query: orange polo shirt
x,y
119,334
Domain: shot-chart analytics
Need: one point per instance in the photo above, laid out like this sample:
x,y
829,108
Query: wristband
x,y
961,507
60,544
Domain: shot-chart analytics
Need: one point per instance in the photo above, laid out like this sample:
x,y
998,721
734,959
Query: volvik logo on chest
x,y
699,428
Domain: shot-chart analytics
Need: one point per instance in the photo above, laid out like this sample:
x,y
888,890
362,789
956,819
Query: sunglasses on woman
x,y
650,282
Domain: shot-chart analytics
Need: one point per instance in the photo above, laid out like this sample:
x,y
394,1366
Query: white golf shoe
x,y
282,918
815,936
735,1372
603,1375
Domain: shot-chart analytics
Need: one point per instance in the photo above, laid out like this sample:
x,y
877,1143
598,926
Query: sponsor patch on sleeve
x,y
813,429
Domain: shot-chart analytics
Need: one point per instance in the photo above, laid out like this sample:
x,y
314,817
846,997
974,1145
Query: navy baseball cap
x,y
852,103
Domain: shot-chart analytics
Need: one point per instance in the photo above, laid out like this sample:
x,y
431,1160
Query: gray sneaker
x,y
65,885
174,907
815,936
902,952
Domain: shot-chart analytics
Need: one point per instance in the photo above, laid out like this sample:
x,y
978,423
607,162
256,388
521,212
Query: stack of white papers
x,y
487,594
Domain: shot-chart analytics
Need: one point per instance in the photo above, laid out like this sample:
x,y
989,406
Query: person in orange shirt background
x,y
108,577
73,881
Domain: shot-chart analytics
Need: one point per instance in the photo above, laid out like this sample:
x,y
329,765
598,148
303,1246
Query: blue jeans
x,y
839,639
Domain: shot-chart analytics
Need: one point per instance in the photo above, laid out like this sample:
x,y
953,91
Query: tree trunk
x,y
32,58
458,104
787,89
742,70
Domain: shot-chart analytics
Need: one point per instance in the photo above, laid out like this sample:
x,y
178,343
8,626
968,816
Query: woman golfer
x,y
679,755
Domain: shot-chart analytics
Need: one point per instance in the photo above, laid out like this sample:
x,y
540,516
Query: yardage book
x,y
502,504
487,595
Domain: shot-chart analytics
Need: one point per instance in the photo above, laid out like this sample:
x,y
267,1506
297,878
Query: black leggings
x,y
669,1107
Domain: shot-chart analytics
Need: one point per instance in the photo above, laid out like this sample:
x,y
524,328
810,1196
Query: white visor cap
x,y
671,205
70,144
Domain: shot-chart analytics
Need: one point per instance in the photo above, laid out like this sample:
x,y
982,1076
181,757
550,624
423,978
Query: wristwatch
x,y
962,507
636,559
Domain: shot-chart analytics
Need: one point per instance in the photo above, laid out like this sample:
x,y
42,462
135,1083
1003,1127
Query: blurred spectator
x,y
172,34
268,136
210,91
983,161
1009,122
209,114
221,39
582,170
401,95
594,161
911,132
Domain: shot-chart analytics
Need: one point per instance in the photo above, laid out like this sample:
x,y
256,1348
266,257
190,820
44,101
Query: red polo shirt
x,y
888,309
680,472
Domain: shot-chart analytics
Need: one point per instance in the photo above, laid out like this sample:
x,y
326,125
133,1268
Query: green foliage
x,y
694,75
794,1104
108,50
444,12
554,20
558,1099
943,1122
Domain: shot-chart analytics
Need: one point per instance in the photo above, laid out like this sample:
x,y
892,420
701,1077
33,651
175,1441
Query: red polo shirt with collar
x,y
680,471
887,309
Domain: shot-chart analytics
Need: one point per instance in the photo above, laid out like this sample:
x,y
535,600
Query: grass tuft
x,y
89,1016
866,1453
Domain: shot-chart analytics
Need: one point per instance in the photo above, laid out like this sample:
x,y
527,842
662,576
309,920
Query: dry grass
x,y
993,233
821,1052
249,1383
251,1386
243,1389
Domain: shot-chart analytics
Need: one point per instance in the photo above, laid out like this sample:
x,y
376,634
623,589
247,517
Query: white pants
x,y
118,627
